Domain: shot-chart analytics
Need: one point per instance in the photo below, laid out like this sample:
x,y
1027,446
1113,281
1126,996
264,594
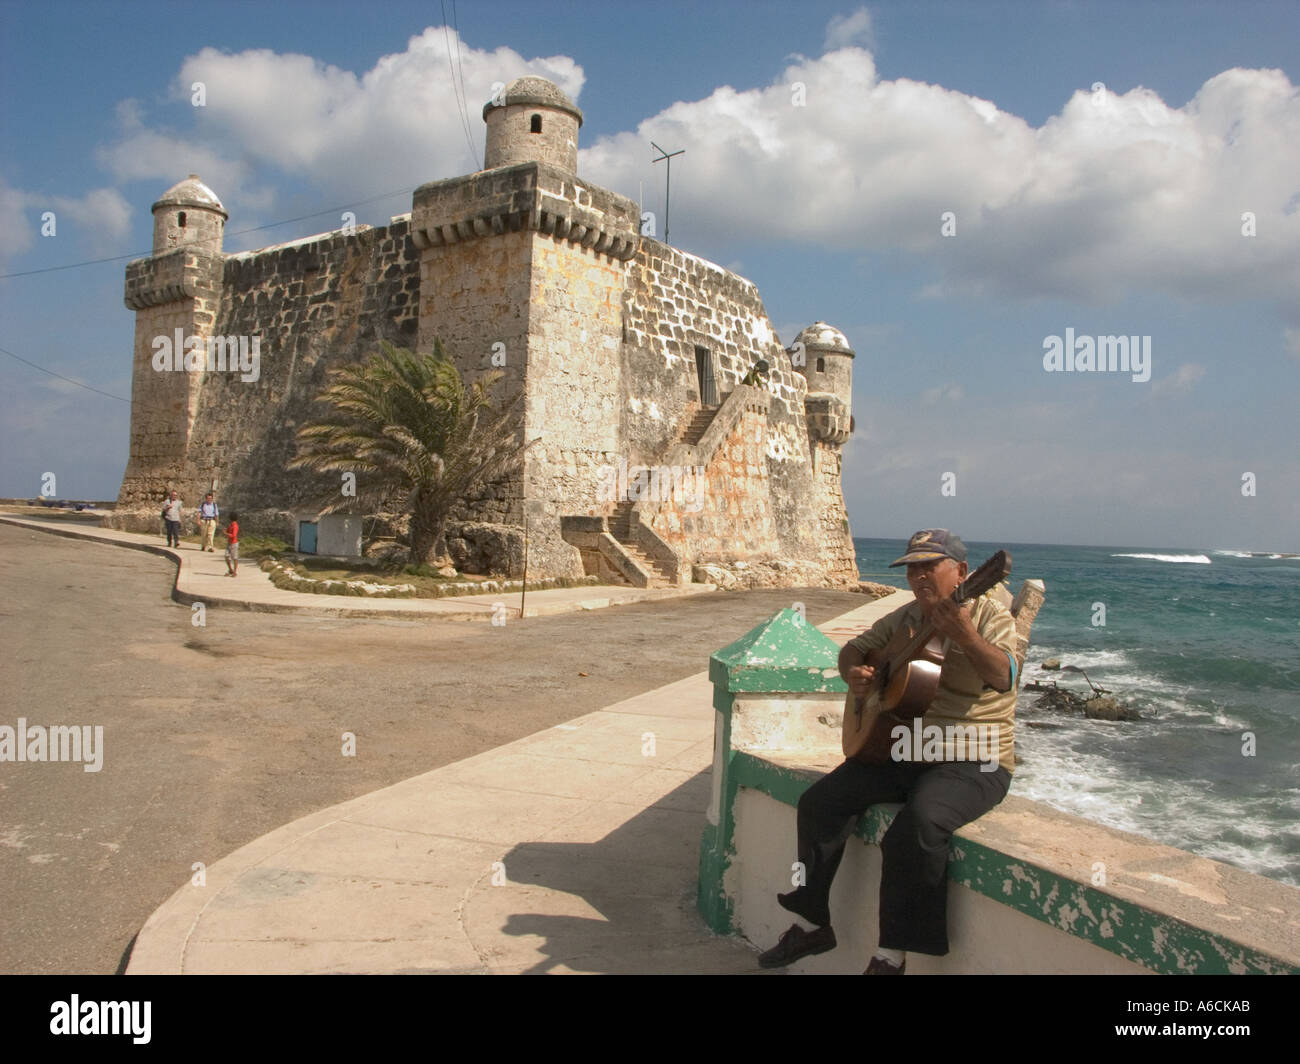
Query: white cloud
x,y
1112,193
1291,338
854,29
16,232
339,135
1183,379
101,216
946,393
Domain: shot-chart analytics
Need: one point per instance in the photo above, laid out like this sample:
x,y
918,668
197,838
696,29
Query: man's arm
x,y
857,667
851,658
990,662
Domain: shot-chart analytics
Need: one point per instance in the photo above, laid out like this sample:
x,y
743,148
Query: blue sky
x,y
1098,160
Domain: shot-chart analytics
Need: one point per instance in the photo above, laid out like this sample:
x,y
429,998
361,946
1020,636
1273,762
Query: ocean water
x,y
1206,644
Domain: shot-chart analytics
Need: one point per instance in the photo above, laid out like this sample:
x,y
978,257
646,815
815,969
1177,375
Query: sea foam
x,y
1196,559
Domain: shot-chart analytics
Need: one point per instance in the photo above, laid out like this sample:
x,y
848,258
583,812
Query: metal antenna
x,y
668,183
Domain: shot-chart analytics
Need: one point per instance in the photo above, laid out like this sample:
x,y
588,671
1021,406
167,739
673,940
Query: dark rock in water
x,y
1051,663
1048,724
1102,707
1107,708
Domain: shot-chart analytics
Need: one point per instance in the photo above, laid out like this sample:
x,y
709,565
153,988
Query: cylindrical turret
x,y
188,213
823,355
827,361
532,121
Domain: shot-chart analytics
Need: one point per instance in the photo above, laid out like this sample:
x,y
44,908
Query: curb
x,y
473,611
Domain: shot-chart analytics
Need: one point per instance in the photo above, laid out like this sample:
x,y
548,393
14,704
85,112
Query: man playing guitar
x,y
976,690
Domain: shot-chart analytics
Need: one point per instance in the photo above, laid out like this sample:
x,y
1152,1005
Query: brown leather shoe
x,y
880,966
797,943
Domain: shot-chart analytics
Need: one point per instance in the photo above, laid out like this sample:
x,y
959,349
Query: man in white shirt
x,y
208,514
171,515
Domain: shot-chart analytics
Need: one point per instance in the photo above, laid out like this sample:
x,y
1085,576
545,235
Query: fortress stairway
x,y
698,424
620,527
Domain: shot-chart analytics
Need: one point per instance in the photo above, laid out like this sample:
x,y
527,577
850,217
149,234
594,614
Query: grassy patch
x,y
252,547
324,577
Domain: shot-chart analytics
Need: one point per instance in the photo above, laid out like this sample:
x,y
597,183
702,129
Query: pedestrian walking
x,y
171,515
232,544
208,515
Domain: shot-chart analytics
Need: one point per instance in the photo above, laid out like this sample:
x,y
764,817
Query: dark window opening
x,y
704,376
535,126
180,219
821,365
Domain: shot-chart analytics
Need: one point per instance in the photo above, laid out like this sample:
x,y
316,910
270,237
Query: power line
x,y
61,377
460,68
460,100
237,232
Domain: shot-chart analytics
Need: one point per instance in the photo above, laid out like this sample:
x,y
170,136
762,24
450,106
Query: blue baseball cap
x,y
931,544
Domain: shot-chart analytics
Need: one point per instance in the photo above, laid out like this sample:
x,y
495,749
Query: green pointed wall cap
x,y
784,653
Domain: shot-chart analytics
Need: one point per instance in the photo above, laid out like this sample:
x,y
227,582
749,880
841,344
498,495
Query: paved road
x,y
215,735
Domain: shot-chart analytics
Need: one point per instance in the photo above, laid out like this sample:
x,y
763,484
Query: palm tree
x,y
407,426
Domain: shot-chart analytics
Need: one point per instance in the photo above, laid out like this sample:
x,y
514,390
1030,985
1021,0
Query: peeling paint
x,y
778,657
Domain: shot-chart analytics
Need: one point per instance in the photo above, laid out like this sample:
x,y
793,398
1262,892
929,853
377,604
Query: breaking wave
x,y
1197,559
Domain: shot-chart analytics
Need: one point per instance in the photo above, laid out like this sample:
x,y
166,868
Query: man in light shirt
x,y
977,690
208,514
171,515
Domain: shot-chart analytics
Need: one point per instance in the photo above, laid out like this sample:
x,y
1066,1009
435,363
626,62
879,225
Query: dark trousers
x,y
938,799
173,532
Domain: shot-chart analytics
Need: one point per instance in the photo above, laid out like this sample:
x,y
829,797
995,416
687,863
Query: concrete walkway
x,y
573,850
201,577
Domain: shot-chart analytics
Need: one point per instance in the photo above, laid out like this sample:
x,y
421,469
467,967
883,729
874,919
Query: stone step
x,y
658,578
698,425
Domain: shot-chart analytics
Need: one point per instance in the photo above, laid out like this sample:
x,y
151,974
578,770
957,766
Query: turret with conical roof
x,y
531,121
188,213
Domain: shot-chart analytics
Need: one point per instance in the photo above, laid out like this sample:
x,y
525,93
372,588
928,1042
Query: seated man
x,y
976,687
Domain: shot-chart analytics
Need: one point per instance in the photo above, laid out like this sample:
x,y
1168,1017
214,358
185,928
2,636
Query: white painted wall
x,y
984,936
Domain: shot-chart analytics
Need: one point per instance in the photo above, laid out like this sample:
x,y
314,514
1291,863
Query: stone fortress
x,y
661,456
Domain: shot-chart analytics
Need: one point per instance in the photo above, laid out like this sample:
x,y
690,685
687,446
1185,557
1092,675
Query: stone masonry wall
x,y
833,542
574,401
728,516
474,295
596,327
675,303
314,305
531,259
176,290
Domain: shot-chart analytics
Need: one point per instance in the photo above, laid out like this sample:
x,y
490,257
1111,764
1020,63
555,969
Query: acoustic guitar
x,y
907,678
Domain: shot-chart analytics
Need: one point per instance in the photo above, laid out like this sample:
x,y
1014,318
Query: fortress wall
x,y
765,503
175,290
675,303
528,271
574,398
725,515
475,294
312,305
510,257
832,543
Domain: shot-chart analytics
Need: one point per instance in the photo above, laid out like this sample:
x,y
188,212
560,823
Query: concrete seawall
x,y
1031,890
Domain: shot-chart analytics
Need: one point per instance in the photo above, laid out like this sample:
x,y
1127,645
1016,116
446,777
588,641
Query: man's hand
x,y
859,679
954,621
